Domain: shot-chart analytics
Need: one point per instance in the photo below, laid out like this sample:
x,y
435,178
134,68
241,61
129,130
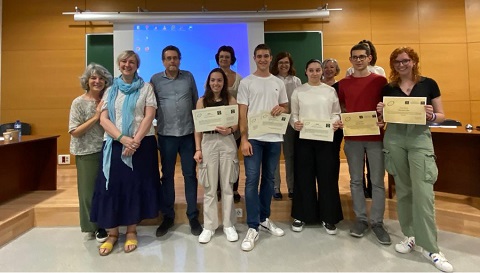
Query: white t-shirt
x,y
315,102
373,69
291,82
262,94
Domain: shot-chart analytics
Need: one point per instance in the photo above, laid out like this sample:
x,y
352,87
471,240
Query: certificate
x,y
207,119
407,110
317,130
360,123
264,123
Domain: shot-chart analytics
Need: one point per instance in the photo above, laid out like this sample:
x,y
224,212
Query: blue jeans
x,y
266,156
169,146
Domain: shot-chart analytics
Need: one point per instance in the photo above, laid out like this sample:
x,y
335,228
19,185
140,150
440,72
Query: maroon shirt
x,y
361,94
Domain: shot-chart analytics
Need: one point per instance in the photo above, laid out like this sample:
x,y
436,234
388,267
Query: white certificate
x,y
406,110
264,123
207,119
360,123
317,130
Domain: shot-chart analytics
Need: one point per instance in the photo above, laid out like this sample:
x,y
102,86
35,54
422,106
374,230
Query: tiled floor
x,y
66,249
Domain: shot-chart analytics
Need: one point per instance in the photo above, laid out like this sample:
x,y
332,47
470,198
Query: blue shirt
x,y
176,98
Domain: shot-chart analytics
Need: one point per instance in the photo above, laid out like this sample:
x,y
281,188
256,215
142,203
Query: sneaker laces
x,y
407,242
250,235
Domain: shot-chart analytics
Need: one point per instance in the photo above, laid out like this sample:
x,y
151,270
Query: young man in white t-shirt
x,y
259,92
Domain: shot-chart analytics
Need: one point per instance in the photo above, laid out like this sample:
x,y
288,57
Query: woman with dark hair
x,y
127,187
216,155
225,58
86,141
282,67
410,158
315,160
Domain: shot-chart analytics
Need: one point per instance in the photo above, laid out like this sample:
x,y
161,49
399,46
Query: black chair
x,y
26,128
446,122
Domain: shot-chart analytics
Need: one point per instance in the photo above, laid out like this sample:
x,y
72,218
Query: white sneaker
x,y
406,246
231,233
249,241
269,226
439,260
297,225
205,236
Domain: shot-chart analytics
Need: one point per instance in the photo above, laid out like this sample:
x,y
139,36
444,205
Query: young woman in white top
x,y
283,68
315,160
216,155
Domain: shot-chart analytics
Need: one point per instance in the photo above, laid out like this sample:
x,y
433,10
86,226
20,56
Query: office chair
x,y
26,128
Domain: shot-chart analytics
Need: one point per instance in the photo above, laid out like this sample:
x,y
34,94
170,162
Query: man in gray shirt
x,y
177,96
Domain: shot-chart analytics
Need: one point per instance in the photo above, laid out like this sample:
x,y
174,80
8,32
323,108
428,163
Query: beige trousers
x,y
220,163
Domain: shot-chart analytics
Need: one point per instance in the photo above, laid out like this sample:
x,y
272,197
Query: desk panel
x,y
28,165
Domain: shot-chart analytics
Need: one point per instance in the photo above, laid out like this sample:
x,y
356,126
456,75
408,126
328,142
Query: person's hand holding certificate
x,y
265,123
407,110
360,123
317,130
207,119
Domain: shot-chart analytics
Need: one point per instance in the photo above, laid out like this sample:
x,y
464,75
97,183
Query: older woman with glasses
x,y
410,158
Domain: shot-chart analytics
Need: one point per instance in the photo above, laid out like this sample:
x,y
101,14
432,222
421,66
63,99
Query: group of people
x,y
115,146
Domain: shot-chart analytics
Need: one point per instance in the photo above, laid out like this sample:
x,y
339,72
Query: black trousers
x,y
316,197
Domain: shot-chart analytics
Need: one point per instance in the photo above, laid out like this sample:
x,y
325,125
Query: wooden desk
x,y
28,165
458,161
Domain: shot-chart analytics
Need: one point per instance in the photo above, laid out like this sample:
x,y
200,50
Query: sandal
x,y
108,245
130,242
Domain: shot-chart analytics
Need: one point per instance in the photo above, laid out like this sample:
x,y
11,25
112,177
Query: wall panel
x,y
394,22
472,9
448,65
350,25
475,112
35,25
474,70
189,5
458,110
442,21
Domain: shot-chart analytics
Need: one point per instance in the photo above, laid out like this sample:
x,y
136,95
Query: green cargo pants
x,y
87,169
410,159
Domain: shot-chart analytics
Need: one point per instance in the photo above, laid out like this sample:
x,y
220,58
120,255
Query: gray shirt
x,y
176,98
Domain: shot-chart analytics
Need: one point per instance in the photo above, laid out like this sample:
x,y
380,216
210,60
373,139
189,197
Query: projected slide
x,y
198,44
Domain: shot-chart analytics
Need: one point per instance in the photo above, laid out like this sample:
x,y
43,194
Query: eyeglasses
x,y
404,62
361,57
282,63
169,58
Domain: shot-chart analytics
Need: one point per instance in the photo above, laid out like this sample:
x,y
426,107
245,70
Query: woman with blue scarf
x,y
127,186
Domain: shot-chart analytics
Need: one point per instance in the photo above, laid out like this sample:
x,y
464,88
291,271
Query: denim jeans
x,y
266,156
169,146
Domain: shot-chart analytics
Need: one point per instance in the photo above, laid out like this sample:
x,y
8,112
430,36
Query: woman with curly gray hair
x,y
86,140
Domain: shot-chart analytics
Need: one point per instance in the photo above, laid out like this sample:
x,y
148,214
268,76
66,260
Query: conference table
x,y
458,161
27,165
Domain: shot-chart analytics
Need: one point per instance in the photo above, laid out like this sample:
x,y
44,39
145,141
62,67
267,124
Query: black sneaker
x,y
290,195
236,197
382,235
195,226
297,225
278,196
101,235
330,228
164,226
358,229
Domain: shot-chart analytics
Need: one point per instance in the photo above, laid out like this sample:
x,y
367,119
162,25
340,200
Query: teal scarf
x,y
132,93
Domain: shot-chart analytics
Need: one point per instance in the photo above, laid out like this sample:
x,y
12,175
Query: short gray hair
x,y
95,69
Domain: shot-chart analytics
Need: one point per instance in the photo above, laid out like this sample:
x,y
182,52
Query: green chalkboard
x,y
303,45
100,50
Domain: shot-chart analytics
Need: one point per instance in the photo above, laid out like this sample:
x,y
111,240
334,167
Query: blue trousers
x,y
169,147
265,158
